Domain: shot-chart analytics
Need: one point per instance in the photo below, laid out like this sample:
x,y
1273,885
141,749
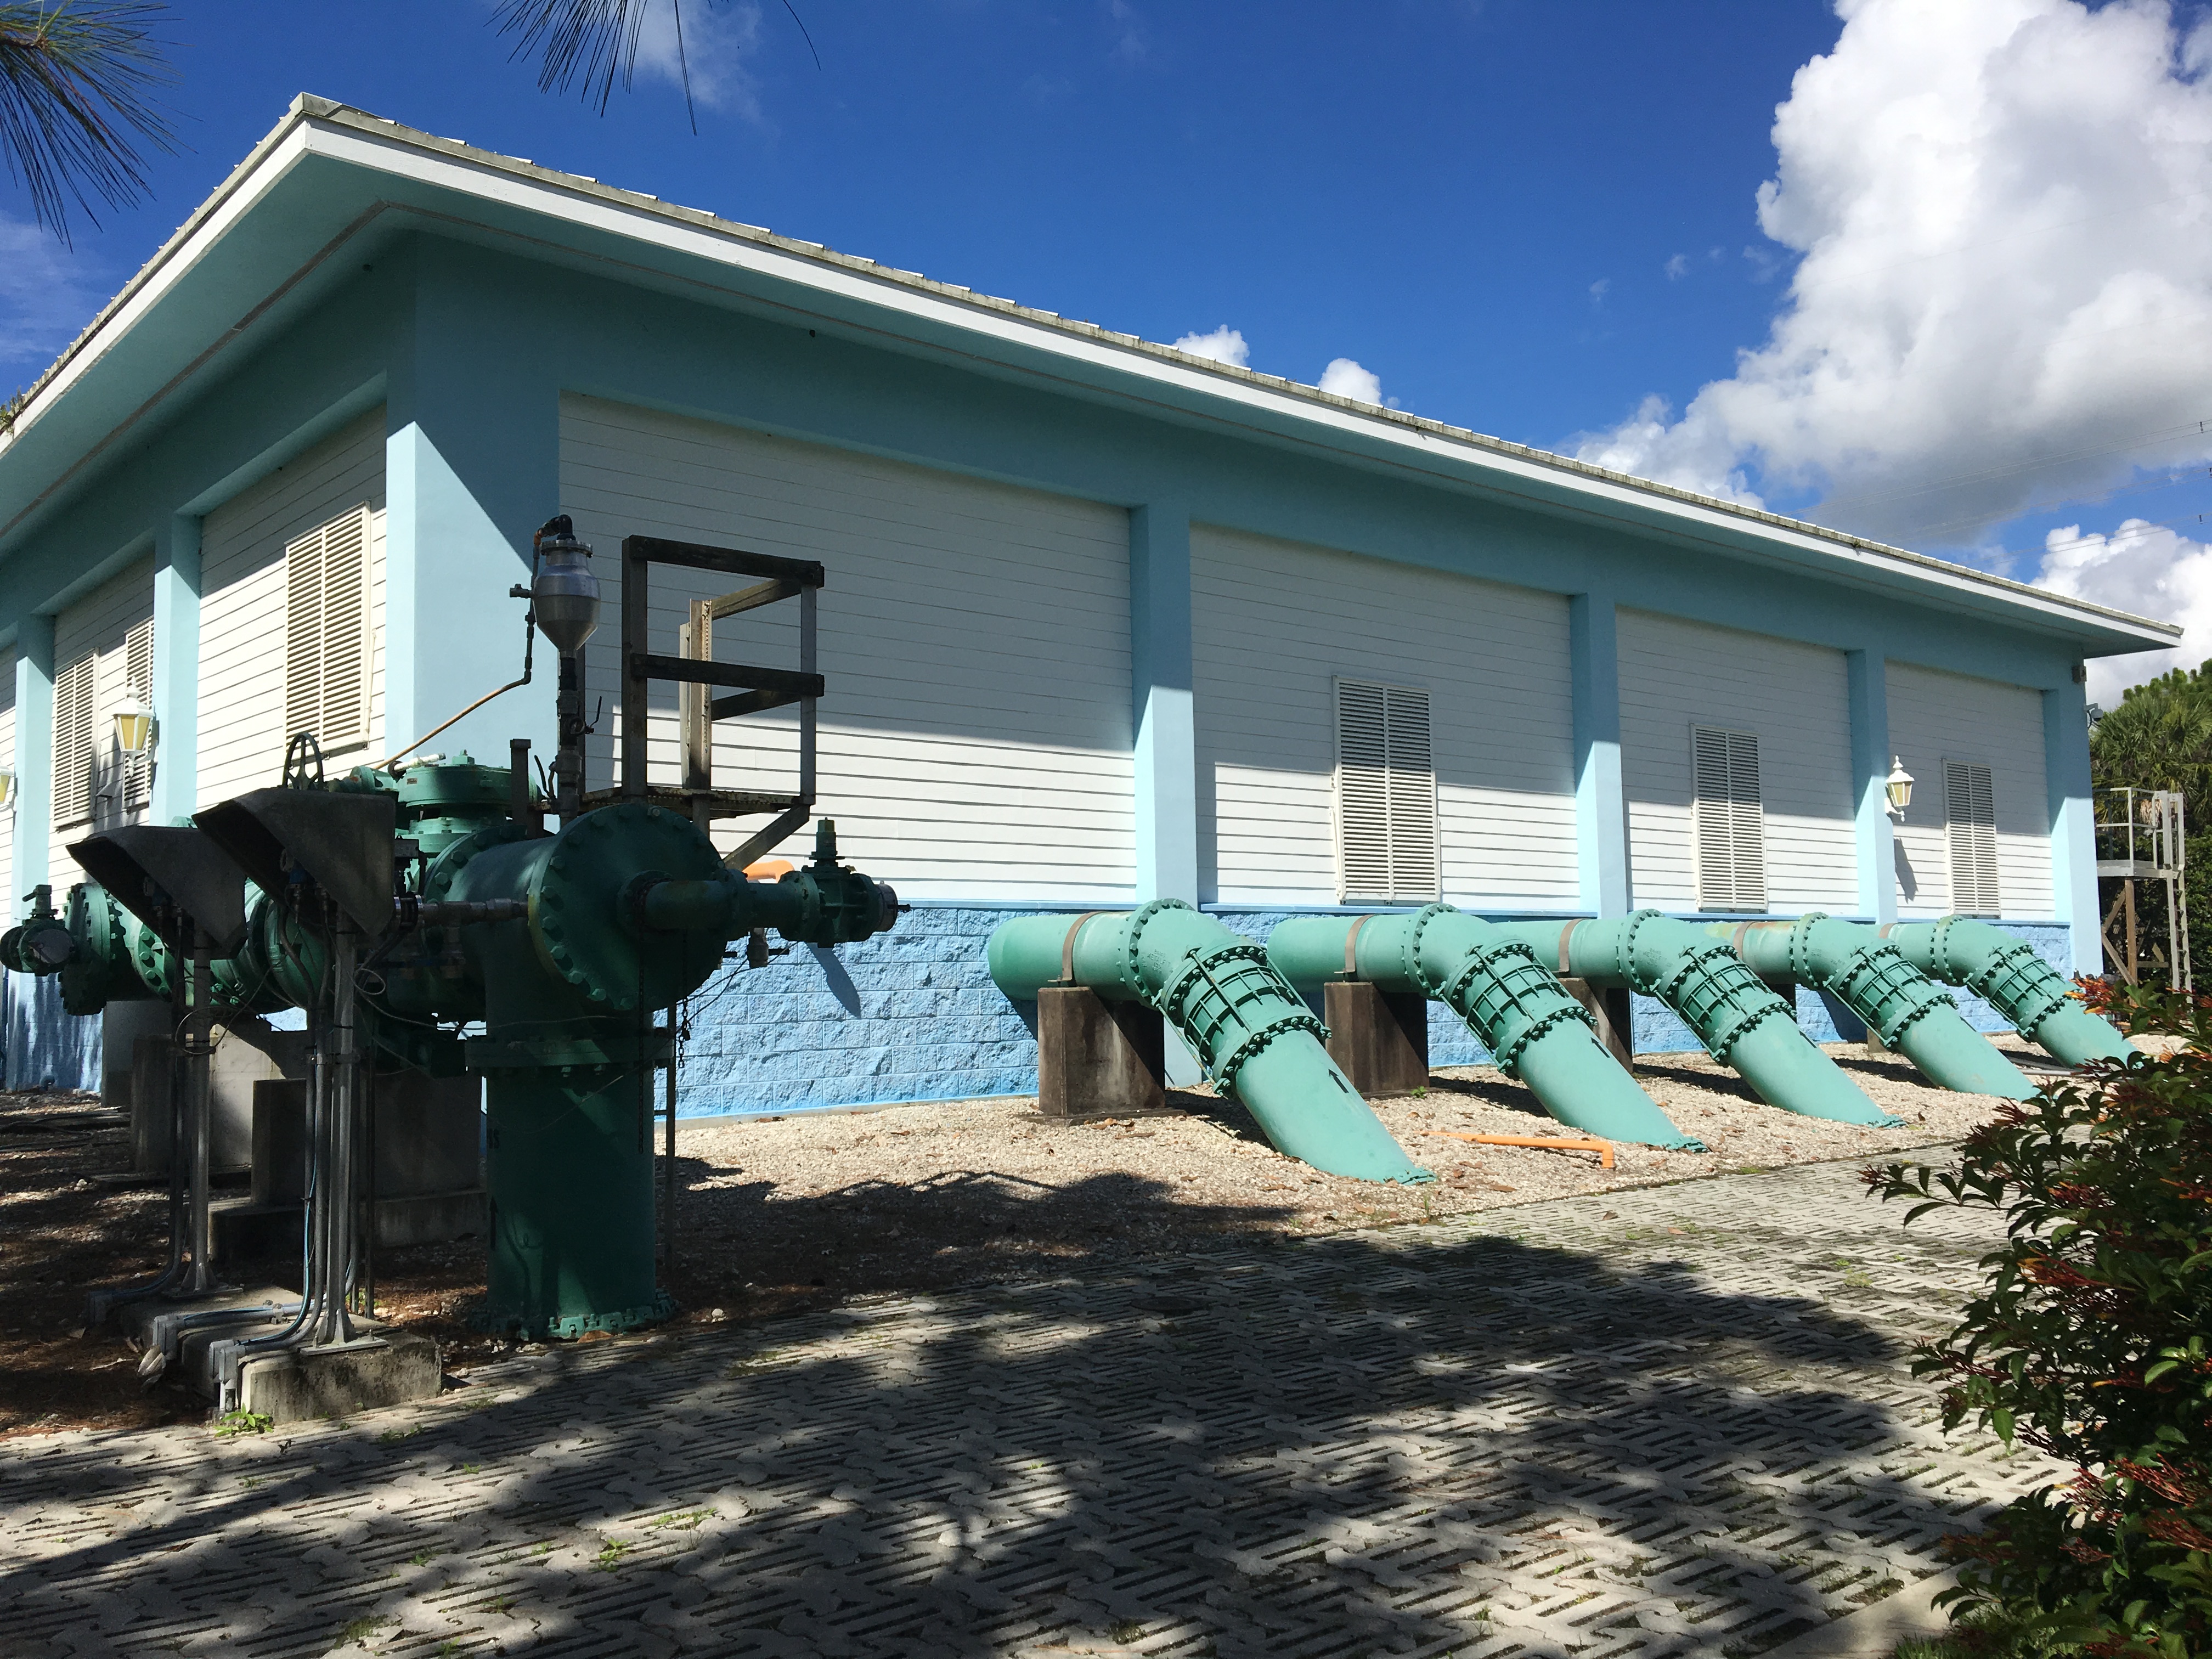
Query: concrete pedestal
x,y
1615,1014
293,1385
429,1183
247,1053
1098,1058
122,1024
1379,1041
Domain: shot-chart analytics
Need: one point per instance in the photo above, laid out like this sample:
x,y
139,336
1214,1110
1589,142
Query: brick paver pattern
x,y
1686,1427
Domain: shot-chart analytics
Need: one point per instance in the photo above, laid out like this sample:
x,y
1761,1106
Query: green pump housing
x,y
560,947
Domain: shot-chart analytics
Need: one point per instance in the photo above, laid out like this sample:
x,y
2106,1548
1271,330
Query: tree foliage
x,y
2160,737
2089,1341
77,98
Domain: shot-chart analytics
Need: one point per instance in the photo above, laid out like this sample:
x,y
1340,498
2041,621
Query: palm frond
x,y
77,85
595,38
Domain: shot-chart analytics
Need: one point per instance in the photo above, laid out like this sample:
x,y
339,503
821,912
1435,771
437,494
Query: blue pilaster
x,y
1866,689
1166,747
34,755
176,670
1600,808
1166,752
472,466
2073,824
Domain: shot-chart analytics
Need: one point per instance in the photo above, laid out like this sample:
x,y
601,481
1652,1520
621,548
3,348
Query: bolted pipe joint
x,y
825,903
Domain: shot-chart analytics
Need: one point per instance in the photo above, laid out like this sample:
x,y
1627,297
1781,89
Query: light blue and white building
x,y
1103,622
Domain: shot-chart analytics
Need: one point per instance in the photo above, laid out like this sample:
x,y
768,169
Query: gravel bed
x,y
1205,1156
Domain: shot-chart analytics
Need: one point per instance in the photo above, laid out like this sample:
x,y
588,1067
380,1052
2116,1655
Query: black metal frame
x,y
757,688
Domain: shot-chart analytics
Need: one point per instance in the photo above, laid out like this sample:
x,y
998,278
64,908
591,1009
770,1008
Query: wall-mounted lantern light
x,y
7,788
1899,787
134,726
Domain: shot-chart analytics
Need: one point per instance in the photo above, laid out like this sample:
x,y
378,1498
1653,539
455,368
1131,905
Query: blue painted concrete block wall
x,y
910,1015
45,1048
913,1015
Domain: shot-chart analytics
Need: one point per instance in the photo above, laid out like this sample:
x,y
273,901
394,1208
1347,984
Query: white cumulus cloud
x,y
1224,345
2001,213
2144,567
713,41
1346,379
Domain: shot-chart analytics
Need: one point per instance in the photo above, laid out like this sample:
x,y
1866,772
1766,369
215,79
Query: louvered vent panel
x,y
1386,794
1729,827
138,682
327,631
1412,783
345,630
303,634
73,702
1970,804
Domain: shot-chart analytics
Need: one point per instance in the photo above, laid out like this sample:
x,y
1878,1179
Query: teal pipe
x,y
1741,1023
2006,973
1511,1002
1872,978
1257,1041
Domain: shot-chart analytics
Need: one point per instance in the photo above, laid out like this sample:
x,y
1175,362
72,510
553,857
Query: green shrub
x,y
2088,1339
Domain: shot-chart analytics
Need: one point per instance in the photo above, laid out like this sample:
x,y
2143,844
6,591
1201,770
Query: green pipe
x,y
2006,973
1511,1002
1873,979
1256,1040
1741,1023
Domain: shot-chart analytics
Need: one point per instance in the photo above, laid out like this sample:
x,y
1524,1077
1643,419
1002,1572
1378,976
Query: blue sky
x,y
1520,217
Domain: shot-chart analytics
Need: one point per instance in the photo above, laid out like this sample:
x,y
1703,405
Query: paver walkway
x,y
1588,1434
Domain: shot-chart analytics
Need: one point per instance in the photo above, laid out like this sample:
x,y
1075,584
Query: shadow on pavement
x,y
1353,1444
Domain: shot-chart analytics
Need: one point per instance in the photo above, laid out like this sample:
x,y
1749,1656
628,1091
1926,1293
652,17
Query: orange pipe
x,y
1543,1143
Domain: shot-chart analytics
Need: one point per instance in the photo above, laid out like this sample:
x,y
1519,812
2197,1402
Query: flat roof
x,y
215,285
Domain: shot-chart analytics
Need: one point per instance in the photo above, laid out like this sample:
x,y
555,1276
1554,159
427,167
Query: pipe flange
x,y
1939,942
576,912
1509,1058
1801,948
1138,918
1225,1078
1626,952
1422,918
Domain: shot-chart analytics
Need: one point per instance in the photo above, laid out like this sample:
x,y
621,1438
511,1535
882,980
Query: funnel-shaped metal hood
x,y
157,872
341,842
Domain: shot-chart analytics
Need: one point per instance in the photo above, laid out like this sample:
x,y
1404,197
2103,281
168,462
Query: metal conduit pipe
x,y
1741,1022
1509,999
1257,1041
1872,978
2006,973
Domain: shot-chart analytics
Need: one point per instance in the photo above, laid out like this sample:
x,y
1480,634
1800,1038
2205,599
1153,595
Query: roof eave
x,y
930,315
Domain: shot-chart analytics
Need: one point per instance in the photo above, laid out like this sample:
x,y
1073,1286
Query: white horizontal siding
x,y
1274,624
99,626
974,741
1936,716
8,890
241,675
1675,675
